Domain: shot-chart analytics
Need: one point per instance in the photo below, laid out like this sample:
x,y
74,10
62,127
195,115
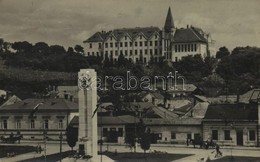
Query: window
x,y
214,135
141,37
125,44
135,43
136,52
116,44
175,47
182,48
179,48
106,52
32,125
151,51
159,136
156,36
252,135
227,134
185,47
88,53
176,59
151,43
99,45
116,53
155,52
145,43
126,52
125,37
97,53
141,44
195,47
120,132
188,135
111,38
145,52
111,52
173,135
18,124
90,45
136,59
121,52
189,47
121,44
145,60
141,52
46,124
4,124
105,132
60,124
131,52
111,45
155,43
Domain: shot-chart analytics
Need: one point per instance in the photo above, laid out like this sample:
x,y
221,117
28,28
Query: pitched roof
x,y
199,110
188,35
48,104
232,112
169,24
252,95
11,100
109,120
175,121
161,112
147,32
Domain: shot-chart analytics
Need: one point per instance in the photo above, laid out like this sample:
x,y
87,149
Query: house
x,y
31,117
143,44
232,124
153,97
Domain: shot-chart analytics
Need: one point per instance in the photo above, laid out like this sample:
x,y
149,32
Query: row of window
x,y
215,135
185,48
112,132
130,44
140,36
145,52
4,124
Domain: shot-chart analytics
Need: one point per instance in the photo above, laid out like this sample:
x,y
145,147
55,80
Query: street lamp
x,y
60,137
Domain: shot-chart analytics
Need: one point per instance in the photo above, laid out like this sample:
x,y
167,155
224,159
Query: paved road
x,y
197,153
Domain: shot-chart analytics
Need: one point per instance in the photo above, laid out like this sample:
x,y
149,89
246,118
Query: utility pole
x,y
60,146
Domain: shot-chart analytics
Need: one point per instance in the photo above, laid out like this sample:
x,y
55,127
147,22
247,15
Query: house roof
x,y
252,95
199,110
147,32
11,101
48,105
188,35
174,121
183,88
161,112
132,106
109,120
154,94
181,35
232,112
201,98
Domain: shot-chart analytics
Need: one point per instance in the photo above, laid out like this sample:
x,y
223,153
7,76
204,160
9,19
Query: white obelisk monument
x,y
87,105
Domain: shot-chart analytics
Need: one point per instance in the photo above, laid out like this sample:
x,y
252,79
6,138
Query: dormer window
x,y
156,36
90,45
141,37
125,37
111,38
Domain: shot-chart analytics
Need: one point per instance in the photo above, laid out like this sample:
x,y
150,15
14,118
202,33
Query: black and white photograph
x,y
130,81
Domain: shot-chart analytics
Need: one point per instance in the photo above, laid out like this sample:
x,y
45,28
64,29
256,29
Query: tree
x,y
79,49
146,141
222,52
23,47
71,136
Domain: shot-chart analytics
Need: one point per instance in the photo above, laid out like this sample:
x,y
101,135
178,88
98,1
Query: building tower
x,y
168,33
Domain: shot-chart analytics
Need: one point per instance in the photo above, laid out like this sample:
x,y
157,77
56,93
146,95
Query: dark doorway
x,y
240,137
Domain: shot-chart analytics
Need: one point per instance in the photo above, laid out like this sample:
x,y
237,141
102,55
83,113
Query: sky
x,y
231,23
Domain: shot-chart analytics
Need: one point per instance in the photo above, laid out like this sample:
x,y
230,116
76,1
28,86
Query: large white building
x,y
148,43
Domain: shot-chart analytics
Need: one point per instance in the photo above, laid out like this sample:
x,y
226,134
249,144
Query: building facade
x,y
143,44
32,117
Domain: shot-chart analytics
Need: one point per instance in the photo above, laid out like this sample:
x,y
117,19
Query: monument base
x,y
97,159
